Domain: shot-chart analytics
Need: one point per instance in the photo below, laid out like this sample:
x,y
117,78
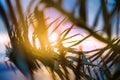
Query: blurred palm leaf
x,y
27,56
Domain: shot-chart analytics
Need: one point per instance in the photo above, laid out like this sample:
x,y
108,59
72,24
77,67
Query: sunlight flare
x,y
53,37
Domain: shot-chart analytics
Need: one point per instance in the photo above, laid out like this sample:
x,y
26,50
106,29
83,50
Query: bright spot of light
x,y
37,43
55,49
53,37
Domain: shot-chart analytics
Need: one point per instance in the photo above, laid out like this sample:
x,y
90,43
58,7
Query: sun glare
x,y
53,37
88,44
37,44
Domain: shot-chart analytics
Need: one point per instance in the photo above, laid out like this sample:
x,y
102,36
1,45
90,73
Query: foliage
x,y
27,56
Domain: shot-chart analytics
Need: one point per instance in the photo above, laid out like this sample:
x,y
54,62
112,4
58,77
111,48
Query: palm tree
x,y
23,53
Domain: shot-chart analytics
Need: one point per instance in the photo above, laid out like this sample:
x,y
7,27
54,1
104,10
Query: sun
x,y
52,38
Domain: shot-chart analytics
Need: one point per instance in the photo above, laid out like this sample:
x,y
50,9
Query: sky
x,y
92,8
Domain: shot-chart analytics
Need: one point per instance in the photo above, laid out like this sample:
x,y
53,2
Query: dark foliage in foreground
x,y
27,56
